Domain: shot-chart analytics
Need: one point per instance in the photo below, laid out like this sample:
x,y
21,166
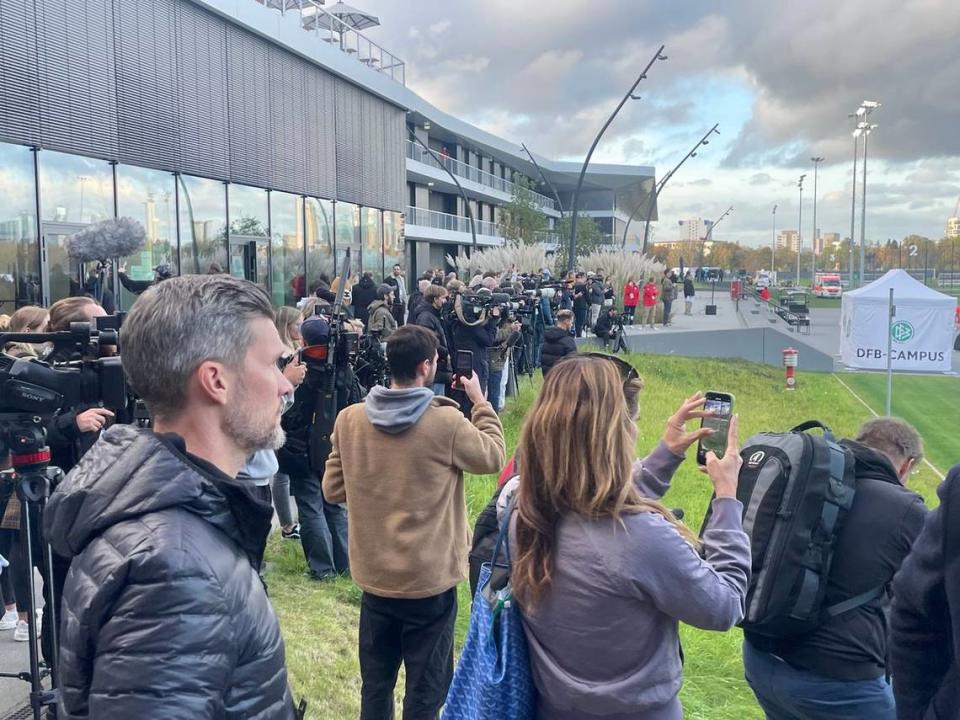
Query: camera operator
x,y
581,303
596,294
164,613
477,337
606,328
381,313
323,525
430,317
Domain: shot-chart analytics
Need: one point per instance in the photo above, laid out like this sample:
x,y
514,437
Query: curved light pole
x,y
556,195
658,188
466,202
572,255
706,238
800,228
813,245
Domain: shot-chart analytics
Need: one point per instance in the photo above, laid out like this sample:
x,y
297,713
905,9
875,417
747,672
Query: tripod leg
x,y
36,688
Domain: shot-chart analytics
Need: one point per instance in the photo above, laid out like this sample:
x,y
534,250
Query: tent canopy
x,y
906,290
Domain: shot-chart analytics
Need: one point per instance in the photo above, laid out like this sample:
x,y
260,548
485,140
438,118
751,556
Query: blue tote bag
x,y
493,679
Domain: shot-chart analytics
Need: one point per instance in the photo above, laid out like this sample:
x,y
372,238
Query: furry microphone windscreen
x,y
116,237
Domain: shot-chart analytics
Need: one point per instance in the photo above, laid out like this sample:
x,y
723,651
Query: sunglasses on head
x,y
627,371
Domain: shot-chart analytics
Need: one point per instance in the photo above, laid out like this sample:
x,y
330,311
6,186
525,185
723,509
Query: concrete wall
x,y
759,345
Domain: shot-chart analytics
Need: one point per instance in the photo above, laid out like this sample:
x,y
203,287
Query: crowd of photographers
x,y
358,405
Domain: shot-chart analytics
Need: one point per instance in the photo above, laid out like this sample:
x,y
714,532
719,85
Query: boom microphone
x,y
113,238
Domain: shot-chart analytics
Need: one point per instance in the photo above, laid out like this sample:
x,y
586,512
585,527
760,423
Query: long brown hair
x,y
577,449
283,318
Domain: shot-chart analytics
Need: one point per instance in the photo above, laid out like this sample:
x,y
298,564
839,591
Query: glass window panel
x,y
372,242
19,247
348,226
149,197
318,225
249,238
394,245
203,225
74,191
286,225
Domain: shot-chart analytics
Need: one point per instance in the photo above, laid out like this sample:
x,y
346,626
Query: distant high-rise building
x,y
788,240
953,227
827,241
693,229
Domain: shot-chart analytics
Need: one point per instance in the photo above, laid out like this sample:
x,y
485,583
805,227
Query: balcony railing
x,y
338,34
547,236
446,221
462,169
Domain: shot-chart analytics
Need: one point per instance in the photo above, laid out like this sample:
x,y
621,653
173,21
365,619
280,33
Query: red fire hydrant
x,y
790,356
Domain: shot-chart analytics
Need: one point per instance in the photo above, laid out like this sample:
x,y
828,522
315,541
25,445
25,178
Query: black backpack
x,y
796,489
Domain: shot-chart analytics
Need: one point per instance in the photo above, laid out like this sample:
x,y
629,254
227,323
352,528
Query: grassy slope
x,y
320,621
929,402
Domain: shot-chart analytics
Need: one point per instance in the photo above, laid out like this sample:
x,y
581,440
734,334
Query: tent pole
x,y
891,312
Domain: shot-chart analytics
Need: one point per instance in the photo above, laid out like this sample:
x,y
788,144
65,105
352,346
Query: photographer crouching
x,y
164,613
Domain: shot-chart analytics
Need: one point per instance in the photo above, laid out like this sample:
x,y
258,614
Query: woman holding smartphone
x,y
602,571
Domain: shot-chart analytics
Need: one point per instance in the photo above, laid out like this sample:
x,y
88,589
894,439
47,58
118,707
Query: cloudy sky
x,y
779,77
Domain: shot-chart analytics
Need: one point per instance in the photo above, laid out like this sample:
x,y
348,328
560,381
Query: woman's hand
x,y
93,420
295,372
725,473
675,436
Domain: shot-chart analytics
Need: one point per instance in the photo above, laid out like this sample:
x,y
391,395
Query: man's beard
x,y
248,432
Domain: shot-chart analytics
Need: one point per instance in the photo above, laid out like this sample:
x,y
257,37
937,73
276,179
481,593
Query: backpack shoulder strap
x,y
856,601
810,425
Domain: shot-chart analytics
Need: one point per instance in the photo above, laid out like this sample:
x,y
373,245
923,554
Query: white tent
x,y
922,331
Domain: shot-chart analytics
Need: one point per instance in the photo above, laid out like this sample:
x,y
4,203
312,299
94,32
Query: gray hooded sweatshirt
x,y
393,411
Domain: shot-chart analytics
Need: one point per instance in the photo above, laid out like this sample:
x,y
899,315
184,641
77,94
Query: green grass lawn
x,y
929,402
319,621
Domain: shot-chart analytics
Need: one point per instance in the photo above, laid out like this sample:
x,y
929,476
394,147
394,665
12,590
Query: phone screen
x,y
464,366
721,405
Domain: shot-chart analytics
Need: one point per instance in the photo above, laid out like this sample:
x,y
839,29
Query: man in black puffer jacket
x,y
164,612
364,293
557,341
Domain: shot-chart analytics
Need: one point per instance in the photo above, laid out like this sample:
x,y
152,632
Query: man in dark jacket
x,y
364,293
557,341
596,294
581,303
925,622
164,613
477,337
840,669
429,317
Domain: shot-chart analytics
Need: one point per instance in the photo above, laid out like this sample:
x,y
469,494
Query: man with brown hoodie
x,y
398,461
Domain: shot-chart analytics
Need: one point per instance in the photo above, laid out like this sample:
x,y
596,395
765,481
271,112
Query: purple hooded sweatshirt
x,y
604,639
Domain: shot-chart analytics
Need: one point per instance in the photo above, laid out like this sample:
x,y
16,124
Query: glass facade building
x,y
236,154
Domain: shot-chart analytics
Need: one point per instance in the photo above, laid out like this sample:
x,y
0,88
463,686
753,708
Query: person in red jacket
x,y
650,294
631,297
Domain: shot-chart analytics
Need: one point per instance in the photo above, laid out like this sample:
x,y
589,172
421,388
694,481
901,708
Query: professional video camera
x,y
31,392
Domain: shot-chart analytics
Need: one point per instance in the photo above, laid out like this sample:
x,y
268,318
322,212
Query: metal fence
x,y
446,221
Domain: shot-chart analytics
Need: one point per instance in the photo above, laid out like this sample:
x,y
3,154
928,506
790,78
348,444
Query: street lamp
x,y
863,128
773,246
800,228
658,188
703,245
853,200
572,255
813,262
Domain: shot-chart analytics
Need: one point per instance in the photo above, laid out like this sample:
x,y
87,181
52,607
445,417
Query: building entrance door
x,y
250,258
59,272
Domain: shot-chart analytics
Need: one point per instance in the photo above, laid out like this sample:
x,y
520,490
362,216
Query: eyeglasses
x,y
627,371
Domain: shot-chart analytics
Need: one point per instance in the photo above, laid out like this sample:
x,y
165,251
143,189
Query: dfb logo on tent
x,y
901,331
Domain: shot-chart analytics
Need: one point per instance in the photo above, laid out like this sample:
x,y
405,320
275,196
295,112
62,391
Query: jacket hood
x,y
553,333
871,463
394,411
367,282
131,472
376,304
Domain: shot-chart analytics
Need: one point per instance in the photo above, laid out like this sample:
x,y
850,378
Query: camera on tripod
x,y
31,393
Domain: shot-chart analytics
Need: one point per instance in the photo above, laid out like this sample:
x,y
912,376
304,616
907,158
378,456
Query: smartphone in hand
x,y
463,367
721,405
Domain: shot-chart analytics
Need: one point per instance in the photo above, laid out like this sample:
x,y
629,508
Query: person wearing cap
x,y
380,310
323,525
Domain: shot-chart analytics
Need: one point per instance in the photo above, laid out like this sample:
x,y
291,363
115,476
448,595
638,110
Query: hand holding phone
x,y
718,410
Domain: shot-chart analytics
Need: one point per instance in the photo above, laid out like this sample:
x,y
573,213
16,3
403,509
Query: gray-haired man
x,y
840,669
164,614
